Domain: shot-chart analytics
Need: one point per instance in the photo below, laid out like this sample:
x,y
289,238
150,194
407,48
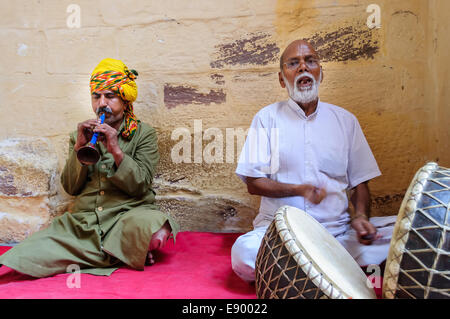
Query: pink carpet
x,y
197,267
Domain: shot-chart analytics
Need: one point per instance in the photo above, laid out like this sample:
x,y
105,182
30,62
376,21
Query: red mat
x,y
197,267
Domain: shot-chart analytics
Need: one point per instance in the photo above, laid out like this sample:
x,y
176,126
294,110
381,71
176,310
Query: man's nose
x,y
303,67
103,101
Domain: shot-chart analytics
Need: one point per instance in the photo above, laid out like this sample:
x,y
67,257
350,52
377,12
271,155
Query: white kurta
x,y
327,149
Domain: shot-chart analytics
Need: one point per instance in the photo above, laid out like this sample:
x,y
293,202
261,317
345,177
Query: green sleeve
x,y
135,173
74,175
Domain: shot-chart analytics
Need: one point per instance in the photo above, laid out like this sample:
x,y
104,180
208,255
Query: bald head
x,y
294,46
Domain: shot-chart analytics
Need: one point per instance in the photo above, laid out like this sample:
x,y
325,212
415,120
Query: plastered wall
x,y
206,67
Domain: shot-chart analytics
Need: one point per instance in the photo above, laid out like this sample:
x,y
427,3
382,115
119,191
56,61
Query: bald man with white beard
x,y
308,154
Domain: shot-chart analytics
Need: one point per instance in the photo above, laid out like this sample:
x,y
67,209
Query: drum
x,y
299,259
418,264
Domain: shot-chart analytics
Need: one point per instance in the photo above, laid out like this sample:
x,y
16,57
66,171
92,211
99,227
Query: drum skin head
x,y
322,259
329,256
418,263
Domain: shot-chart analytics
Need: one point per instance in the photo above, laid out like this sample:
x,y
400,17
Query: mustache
x,y
104,109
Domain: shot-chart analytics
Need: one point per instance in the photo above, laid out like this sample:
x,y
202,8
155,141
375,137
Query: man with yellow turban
x,y
114,220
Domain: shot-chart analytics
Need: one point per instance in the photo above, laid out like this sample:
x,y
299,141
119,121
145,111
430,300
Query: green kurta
x,y
113,219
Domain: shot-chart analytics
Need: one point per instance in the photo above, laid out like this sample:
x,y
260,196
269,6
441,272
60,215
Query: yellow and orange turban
x,y
111,74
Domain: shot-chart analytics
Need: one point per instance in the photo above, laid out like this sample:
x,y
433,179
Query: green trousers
x,y
78,239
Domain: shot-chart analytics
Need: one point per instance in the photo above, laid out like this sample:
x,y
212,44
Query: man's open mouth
x,y
305,83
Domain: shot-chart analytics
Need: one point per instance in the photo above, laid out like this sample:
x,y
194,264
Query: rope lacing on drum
x,y
422,199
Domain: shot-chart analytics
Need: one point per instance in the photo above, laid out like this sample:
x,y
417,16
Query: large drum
x,y
299,258
418,264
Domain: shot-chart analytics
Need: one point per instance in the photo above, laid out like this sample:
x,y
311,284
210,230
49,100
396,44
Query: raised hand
x,y
313,194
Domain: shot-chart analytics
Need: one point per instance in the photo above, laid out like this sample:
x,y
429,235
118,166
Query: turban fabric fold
x,y
114,75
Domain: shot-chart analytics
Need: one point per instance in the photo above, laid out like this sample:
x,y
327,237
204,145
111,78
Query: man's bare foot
x,y
158,241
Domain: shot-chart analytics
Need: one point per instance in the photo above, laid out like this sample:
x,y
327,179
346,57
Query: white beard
x,y
303,96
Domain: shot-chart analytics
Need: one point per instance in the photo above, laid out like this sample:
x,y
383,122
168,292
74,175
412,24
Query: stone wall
x,y
28,179
208,67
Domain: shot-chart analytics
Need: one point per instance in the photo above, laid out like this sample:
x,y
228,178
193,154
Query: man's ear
x,y
321,72
280,78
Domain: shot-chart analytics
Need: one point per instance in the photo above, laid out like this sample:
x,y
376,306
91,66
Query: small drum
x,y
299,258
418,264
